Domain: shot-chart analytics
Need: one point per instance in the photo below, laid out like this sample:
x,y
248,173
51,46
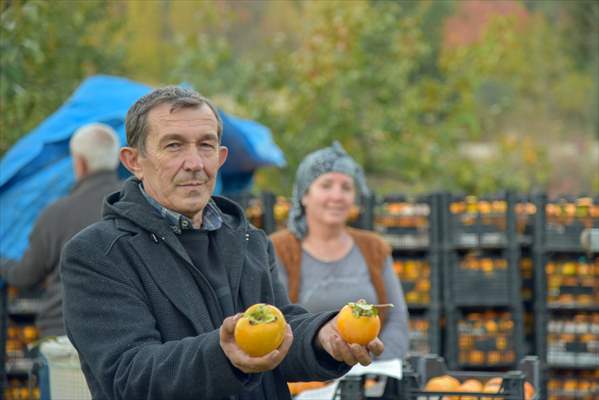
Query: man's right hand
x,y
242,360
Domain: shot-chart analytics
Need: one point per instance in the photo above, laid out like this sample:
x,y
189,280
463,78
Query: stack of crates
x,y
481,282
525,211
19,332
567,301
411,227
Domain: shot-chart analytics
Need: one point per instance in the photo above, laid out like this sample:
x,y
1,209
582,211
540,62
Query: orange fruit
x,y
472,386
443,383
493,385
358,322
260,330
296,388
529,391
494,381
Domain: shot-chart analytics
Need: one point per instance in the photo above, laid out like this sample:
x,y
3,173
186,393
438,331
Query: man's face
x,y
329,199
182,158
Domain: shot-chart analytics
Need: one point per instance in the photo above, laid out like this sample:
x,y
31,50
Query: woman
x,y
324,263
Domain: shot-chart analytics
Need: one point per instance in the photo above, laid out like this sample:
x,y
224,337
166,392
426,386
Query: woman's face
x,y
329,199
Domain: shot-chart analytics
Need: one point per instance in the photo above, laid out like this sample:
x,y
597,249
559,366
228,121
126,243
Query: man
x,y
95,153
153,292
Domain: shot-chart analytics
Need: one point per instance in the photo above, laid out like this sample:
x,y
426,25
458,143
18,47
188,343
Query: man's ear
x,y
80,166
129,156
223,151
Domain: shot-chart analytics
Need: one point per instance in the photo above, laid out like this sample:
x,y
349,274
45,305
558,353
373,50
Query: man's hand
x,y
243,361
330,340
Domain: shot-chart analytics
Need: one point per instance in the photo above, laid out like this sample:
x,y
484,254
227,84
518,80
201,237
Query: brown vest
x,y
374,250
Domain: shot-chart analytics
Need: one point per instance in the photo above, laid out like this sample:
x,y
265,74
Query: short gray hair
x,y
98,144
136,123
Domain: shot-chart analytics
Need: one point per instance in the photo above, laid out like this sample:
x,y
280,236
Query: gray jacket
x,y
142,327
55,226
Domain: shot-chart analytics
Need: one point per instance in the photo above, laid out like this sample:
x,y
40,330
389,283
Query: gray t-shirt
x,y
327,286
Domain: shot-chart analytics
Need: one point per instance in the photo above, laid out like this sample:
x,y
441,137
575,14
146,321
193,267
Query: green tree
x,y
46,49
344,75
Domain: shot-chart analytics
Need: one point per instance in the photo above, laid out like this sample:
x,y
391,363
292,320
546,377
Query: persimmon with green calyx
x,y
359,322
260,330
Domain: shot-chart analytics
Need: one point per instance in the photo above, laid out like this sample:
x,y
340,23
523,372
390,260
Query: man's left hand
x,y
330,340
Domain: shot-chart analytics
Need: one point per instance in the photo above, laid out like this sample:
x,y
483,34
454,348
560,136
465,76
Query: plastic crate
x,y
426,367
354,388
404,224
477,222
419,369
568,220
564,237
483,285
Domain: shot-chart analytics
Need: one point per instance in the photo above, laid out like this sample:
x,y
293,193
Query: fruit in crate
x,y
493,385
281,209
470,386
296,388
30,334
358,322
354,213
260,330
529,391
443,383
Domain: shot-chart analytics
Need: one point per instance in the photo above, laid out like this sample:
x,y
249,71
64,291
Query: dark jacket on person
x,y
142,317
55,226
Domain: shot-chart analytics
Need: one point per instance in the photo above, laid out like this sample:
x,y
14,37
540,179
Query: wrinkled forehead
x,y
169,117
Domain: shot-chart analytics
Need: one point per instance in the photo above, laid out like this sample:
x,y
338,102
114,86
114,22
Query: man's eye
x,y
208,146
173,145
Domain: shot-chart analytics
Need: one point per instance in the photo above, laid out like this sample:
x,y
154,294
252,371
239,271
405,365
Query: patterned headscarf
x,y
315,164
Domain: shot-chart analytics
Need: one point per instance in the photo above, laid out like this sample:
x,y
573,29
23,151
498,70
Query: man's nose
x,y
193,161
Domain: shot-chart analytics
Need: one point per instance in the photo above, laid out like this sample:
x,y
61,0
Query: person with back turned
x,y
95,154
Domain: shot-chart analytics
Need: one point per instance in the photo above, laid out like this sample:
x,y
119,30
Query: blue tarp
x,y
37,170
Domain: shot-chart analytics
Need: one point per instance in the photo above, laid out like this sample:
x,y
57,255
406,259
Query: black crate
x,y
423,368
568,220
479,222
354,388
365,218
418,369
565,237
478,287
406,224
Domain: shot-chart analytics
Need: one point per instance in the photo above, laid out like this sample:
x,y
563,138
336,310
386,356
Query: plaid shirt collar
x,y
211,220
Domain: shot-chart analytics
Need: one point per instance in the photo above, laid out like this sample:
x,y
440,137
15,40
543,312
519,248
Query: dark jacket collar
x,y
131,206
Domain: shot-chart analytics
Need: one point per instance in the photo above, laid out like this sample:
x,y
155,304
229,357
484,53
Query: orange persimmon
x,y
358,322
260,330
